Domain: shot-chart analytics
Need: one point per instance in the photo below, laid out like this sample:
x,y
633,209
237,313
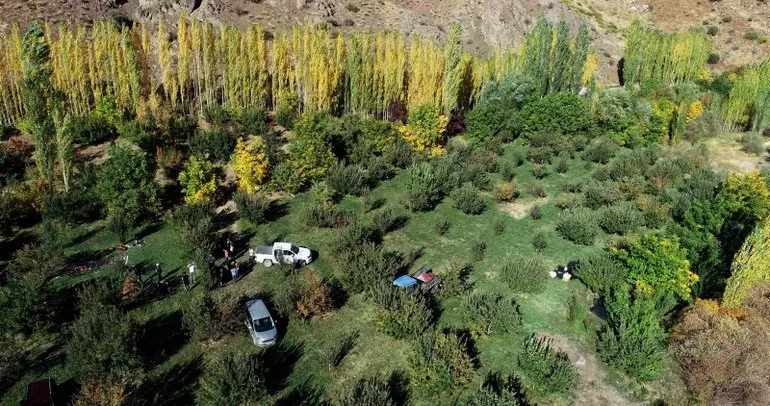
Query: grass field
x,y
173,362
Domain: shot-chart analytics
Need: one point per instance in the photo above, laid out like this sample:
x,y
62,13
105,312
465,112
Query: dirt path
x,y
593,389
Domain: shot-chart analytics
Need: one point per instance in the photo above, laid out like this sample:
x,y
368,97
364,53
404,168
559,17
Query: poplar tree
x,y
579,59
37,93
453,68
537,51
562,57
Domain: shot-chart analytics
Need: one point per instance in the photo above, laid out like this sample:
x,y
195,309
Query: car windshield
x,y
294,249
263,324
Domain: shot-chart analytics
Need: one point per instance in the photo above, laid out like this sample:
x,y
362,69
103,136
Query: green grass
x,y
375,352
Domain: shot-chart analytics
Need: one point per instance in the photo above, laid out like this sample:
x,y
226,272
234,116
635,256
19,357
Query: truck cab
x,y
283,252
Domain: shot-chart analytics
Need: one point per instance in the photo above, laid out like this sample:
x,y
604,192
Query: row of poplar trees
x,y
142,69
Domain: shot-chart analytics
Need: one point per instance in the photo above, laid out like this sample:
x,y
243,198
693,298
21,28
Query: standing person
x,y
158,272
227,254
186,282
252,257
234,272
191,270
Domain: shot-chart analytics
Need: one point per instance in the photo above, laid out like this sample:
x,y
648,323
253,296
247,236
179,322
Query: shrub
x,y
601,273
455,277
422,187
507,191
548,370
254,121
468,199
496,112
519,156
216,146
540,171
324,215
365,267
13,358
713,58
348,179
202,316
506,172
93,129
95,392
73,206
478,250
706,126
620,219
356,233
441,227
367,391
488,313
194,230
336,353
402,313
598,194
600,150
441,361
753,143
496,391
578,225
499,227
388,219
712,30
537,190
235,378
539,241
372,202
314,296
525,274
566,201
252,208
379,169
562,165
657,265
536,212
286,112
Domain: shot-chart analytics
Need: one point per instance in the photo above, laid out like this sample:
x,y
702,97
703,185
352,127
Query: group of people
x,y
218,273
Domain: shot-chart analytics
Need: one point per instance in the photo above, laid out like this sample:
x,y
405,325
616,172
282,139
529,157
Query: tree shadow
x,y
10,245
161,338
337,292
225,219
276,209
280,361
304,394
470,345
176,386
148,230
398,383
511,383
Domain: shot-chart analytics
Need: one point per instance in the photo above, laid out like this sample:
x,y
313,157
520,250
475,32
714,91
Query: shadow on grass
x,y
398,383
280,361
176,386
83,237
10,245
162,337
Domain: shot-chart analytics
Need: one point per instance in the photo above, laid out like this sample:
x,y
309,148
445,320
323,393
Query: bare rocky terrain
x,y
487,23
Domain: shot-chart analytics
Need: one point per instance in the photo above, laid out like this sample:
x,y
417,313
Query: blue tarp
x,y
405,281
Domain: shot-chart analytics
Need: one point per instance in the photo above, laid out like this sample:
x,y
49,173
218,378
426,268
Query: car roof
x,y
257,309
39,392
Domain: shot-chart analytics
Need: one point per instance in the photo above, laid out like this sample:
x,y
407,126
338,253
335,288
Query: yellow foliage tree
x,y
425,129
250,164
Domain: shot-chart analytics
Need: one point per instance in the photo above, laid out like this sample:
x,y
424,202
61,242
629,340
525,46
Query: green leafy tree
x,y
422,187
557,113
562,57
548,370
633,338
496,112
195,231
424,130
657,265
37,93
311,152
126,185
496,391
751,266
403,313
103,341
235,378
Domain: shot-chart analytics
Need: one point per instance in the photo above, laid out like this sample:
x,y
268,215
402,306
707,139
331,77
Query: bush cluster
x,y
216,146
468,199
441,361
620,219
548,370
507,191
489,313
403,313
324,215
348,179
252,208
578,225
525,274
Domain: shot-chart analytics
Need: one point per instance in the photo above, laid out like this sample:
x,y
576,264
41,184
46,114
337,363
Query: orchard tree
x,y
424,130
195,232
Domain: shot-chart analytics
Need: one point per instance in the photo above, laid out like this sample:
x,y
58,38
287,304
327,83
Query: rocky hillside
x,y
739,26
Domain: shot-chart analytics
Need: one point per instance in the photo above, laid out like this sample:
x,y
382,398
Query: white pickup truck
x,y
285,252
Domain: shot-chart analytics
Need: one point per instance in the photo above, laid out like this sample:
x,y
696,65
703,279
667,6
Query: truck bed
x,y
264,250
